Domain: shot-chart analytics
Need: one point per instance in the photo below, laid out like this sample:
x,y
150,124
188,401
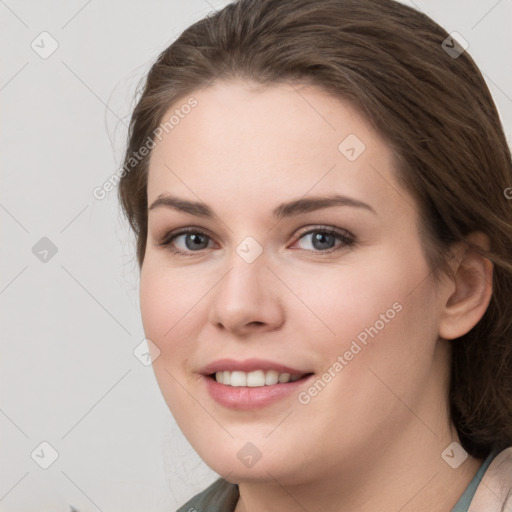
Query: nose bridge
x,y
245,280
244,295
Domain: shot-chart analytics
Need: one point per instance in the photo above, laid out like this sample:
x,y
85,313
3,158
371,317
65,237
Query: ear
x,y
469,290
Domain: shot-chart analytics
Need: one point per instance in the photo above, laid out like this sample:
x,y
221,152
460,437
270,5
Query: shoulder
x,y
494,493
221,496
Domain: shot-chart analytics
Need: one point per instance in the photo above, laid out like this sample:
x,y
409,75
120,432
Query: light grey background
x,y
70,324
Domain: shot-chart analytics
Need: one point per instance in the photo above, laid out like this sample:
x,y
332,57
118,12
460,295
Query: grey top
x,y
221,496
465,500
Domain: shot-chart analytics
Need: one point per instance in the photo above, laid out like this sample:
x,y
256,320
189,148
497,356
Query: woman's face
x,y
271,281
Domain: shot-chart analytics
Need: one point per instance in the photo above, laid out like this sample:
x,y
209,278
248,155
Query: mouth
x,y
253,383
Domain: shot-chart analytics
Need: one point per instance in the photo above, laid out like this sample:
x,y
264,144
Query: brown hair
x,y
433,108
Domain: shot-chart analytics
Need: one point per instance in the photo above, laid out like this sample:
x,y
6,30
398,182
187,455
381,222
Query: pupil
x,y
322,237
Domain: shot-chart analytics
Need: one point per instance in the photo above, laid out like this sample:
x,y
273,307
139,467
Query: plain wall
x,y
70,320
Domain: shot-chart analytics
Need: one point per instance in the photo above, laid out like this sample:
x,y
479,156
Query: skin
x,y
372,438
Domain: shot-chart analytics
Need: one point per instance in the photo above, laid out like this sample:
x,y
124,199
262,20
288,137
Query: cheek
x,y
382,347
170,314
385,329
168,306
353,297
152,295
378,311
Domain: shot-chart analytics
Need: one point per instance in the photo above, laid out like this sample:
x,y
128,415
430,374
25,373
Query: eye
x,y
323,239
185,241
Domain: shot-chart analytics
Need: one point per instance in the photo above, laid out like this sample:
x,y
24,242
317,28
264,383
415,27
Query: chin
x,y
241,462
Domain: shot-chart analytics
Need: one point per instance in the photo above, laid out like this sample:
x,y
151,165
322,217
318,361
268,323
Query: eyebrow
x,y
289,209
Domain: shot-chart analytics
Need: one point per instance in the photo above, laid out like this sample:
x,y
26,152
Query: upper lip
x,y
249,365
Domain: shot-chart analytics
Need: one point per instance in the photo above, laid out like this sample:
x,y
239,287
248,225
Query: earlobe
x,y
470,288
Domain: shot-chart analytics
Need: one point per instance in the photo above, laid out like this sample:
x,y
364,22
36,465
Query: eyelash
x,y
346,238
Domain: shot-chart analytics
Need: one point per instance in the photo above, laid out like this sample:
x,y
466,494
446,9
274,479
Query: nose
x,y
247,299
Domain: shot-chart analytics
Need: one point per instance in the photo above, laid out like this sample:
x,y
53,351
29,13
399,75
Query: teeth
x,y
272,377
238,379
255,379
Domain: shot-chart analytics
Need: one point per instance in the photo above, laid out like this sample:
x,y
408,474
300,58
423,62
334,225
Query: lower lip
x,y
245,398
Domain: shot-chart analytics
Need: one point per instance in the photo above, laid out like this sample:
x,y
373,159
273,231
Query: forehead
x,y
248,118
248,144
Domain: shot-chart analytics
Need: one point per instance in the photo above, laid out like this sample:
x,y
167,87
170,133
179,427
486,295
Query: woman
x,y
324,239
